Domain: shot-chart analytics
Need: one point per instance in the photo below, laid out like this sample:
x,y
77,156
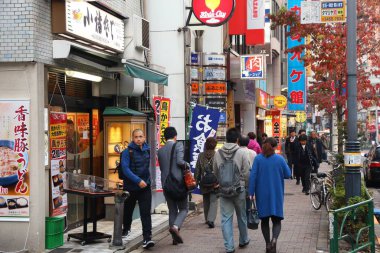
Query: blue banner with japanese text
x,y
204,124
296,69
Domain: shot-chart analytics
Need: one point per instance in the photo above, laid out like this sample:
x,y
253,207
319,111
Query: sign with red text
x,y
14,158
58,133
164,118
157,116
213,12
252,66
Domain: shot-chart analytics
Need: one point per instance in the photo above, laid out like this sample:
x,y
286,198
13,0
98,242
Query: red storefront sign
x,y
213,12
195,88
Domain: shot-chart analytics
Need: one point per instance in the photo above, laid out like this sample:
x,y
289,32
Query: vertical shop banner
x,y
255,22
164,118
14,158
204,124
157,116
276,128
296,68
58,128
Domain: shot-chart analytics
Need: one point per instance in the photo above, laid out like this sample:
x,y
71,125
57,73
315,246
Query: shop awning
x,y
118,111
145,73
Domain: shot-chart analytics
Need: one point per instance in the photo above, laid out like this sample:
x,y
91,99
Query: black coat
x,y
290,147
319,148
300,162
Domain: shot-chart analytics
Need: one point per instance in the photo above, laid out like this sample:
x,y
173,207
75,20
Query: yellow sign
x,y
333,11
300,117
280,102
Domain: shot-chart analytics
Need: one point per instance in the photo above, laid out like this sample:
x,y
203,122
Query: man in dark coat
x,y
305,160
317,146
290,149
135,162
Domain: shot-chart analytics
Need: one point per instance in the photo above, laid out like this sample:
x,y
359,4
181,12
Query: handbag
x,y
189,179
174,188
253,219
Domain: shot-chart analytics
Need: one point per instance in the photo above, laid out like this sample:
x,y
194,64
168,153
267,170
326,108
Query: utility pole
x,y
352,158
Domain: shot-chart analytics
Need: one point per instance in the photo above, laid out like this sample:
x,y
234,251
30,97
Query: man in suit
x,y
177,209
290,145
317,146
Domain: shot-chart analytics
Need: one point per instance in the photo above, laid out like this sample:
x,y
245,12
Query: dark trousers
x,y
144,198
292,166
305,178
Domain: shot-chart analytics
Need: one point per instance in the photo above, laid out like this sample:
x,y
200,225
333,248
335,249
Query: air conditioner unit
x,y
141,32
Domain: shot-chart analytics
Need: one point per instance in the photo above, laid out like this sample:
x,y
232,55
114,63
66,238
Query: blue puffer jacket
x,y
138,169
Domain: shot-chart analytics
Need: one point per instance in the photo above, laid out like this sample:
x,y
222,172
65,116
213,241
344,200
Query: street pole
x,y
352,158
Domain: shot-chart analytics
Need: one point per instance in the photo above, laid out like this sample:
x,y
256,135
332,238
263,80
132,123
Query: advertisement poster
x,y
57,132
296,68
95,124
204,124
14,159
164,118
157,115
276,128
213,13
252,66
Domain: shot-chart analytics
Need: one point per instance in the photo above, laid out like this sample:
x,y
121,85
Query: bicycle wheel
x,y
315,194
328,202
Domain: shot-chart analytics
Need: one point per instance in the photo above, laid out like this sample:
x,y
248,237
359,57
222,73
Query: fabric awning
x,y
145,73
118,111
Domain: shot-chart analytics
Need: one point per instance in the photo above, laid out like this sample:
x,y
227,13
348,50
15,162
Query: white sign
x,y
214,74
194,74
352,160
255,14
252,66
214,59
89,22
267,32
311,12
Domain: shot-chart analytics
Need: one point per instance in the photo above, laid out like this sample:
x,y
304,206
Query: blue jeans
x,y
227,207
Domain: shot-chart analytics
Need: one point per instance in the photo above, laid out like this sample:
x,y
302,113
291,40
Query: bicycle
x,y
321,185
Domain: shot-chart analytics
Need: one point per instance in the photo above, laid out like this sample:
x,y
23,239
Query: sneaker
x,y
210,224
148,244
125,233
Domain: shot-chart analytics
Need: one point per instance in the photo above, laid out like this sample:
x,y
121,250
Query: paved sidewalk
x,y
303,230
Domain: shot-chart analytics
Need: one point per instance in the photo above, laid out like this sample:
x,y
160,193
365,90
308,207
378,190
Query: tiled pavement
x,y
304,230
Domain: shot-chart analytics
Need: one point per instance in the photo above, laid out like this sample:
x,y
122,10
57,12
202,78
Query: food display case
x,y
119,124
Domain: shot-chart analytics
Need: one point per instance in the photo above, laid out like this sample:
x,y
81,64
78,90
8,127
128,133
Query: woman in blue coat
x,y
266,186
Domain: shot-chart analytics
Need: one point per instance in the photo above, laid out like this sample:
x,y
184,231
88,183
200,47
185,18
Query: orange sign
x,y
279,102
262,99
216,88
195,88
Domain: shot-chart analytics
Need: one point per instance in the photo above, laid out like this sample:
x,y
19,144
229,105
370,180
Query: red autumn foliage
x,y
327,55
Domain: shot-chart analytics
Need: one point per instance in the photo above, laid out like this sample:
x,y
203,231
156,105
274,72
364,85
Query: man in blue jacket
x,y
135,163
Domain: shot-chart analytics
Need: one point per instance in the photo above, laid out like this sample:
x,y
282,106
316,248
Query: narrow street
x,y
303,230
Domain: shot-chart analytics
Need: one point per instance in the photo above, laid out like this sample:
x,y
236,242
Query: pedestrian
x,y
253,144
290,145
231,166
325,145
263,137
266,187
177,208
243,143
135,162
317,146
207,181
301,131
305,161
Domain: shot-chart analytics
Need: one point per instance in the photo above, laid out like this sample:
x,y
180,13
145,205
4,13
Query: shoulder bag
x,y
253,219
174,188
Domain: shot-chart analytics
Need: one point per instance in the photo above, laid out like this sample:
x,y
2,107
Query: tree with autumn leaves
x,y
326,56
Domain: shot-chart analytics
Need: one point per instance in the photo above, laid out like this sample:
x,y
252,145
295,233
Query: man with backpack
x,y
231,167
135,162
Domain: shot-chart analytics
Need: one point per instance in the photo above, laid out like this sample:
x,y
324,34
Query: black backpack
x,y
119,167
208,179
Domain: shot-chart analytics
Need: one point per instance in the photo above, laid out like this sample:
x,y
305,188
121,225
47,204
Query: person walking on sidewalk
x,y
207,181
244,143
290,148
317,146
253,144
266,186
135,162
231,166
178,209
304,160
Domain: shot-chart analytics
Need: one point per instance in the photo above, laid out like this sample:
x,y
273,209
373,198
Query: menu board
x,y
14,159
58,132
